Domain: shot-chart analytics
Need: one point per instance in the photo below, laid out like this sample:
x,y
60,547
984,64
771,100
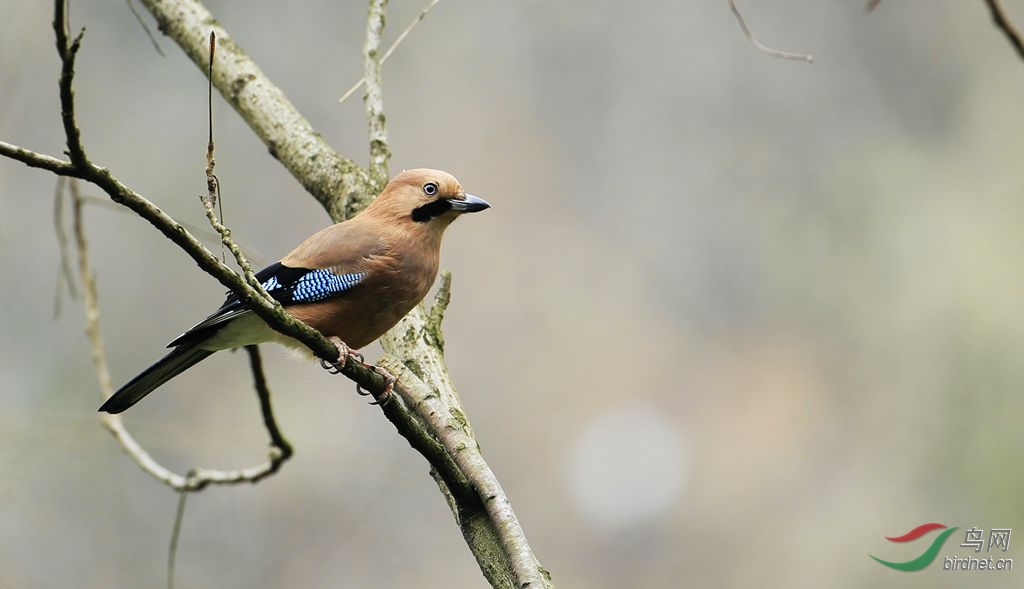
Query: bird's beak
x,y
470,204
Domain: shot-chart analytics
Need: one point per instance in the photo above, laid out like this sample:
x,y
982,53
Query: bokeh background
x,y
730,321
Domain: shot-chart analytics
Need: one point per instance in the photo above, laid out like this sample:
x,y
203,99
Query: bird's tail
x,y
180,359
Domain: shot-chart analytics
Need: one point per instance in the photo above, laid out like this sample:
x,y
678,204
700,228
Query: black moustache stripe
x,y
424,213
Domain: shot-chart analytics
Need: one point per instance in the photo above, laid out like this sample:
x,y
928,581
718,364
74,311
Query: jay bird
x,y
352,281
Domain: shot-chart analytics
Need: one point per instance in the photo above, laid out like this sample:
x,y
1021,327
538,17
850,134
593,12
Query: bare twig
x,y
64,277
405,33
145,27
67,53
172,549
240,259
1004,24
99,355
764,48
39,160
281,449
379,152
213,198
212,185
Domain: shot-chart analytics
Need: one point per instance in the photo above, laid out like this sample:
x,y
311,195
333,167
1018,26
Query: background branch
x,y
764,48
1004,24
401,37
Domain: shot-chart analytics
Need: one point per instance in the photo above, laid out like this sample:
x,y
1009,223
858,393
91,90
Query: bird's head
x,y
428,198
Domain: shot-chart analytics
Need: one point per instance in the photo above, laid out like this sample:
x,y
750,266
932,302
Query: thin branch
x,y
145,27
226,241
764,48
67,53
405,33
212,186
99,356
64,276
38,160
212,197
1004,24
379,152
172,550
281,449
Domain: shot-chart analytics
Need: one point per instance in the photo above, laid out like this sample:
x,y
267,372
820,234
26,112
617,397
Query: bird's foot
x,y
344,353
389,386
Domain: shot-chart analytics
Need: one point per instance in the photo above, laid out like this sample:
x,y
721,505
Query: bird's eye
x,y
430,188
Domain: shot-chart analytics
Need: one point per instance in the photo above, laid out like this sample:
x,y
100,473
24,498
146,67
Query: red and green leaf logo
x,y
927,556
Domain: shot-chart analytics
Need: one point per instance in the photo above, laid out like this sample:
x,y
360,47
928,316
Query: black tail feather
x,y
179,360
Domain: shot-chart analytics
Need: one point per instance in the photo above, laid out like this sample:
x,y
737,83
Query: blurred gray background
x,y
730,321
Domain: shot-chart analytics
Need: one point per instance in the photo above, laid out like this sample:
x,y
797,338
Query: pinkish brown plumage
x,y
353,280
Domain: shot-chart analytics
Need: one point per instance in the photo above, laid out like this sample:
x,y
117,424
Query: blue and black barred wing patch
x,y
311,286
287,285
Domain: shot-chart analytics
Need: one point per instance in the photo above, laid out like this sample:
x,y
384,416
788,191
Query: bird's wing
x,y
333,272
